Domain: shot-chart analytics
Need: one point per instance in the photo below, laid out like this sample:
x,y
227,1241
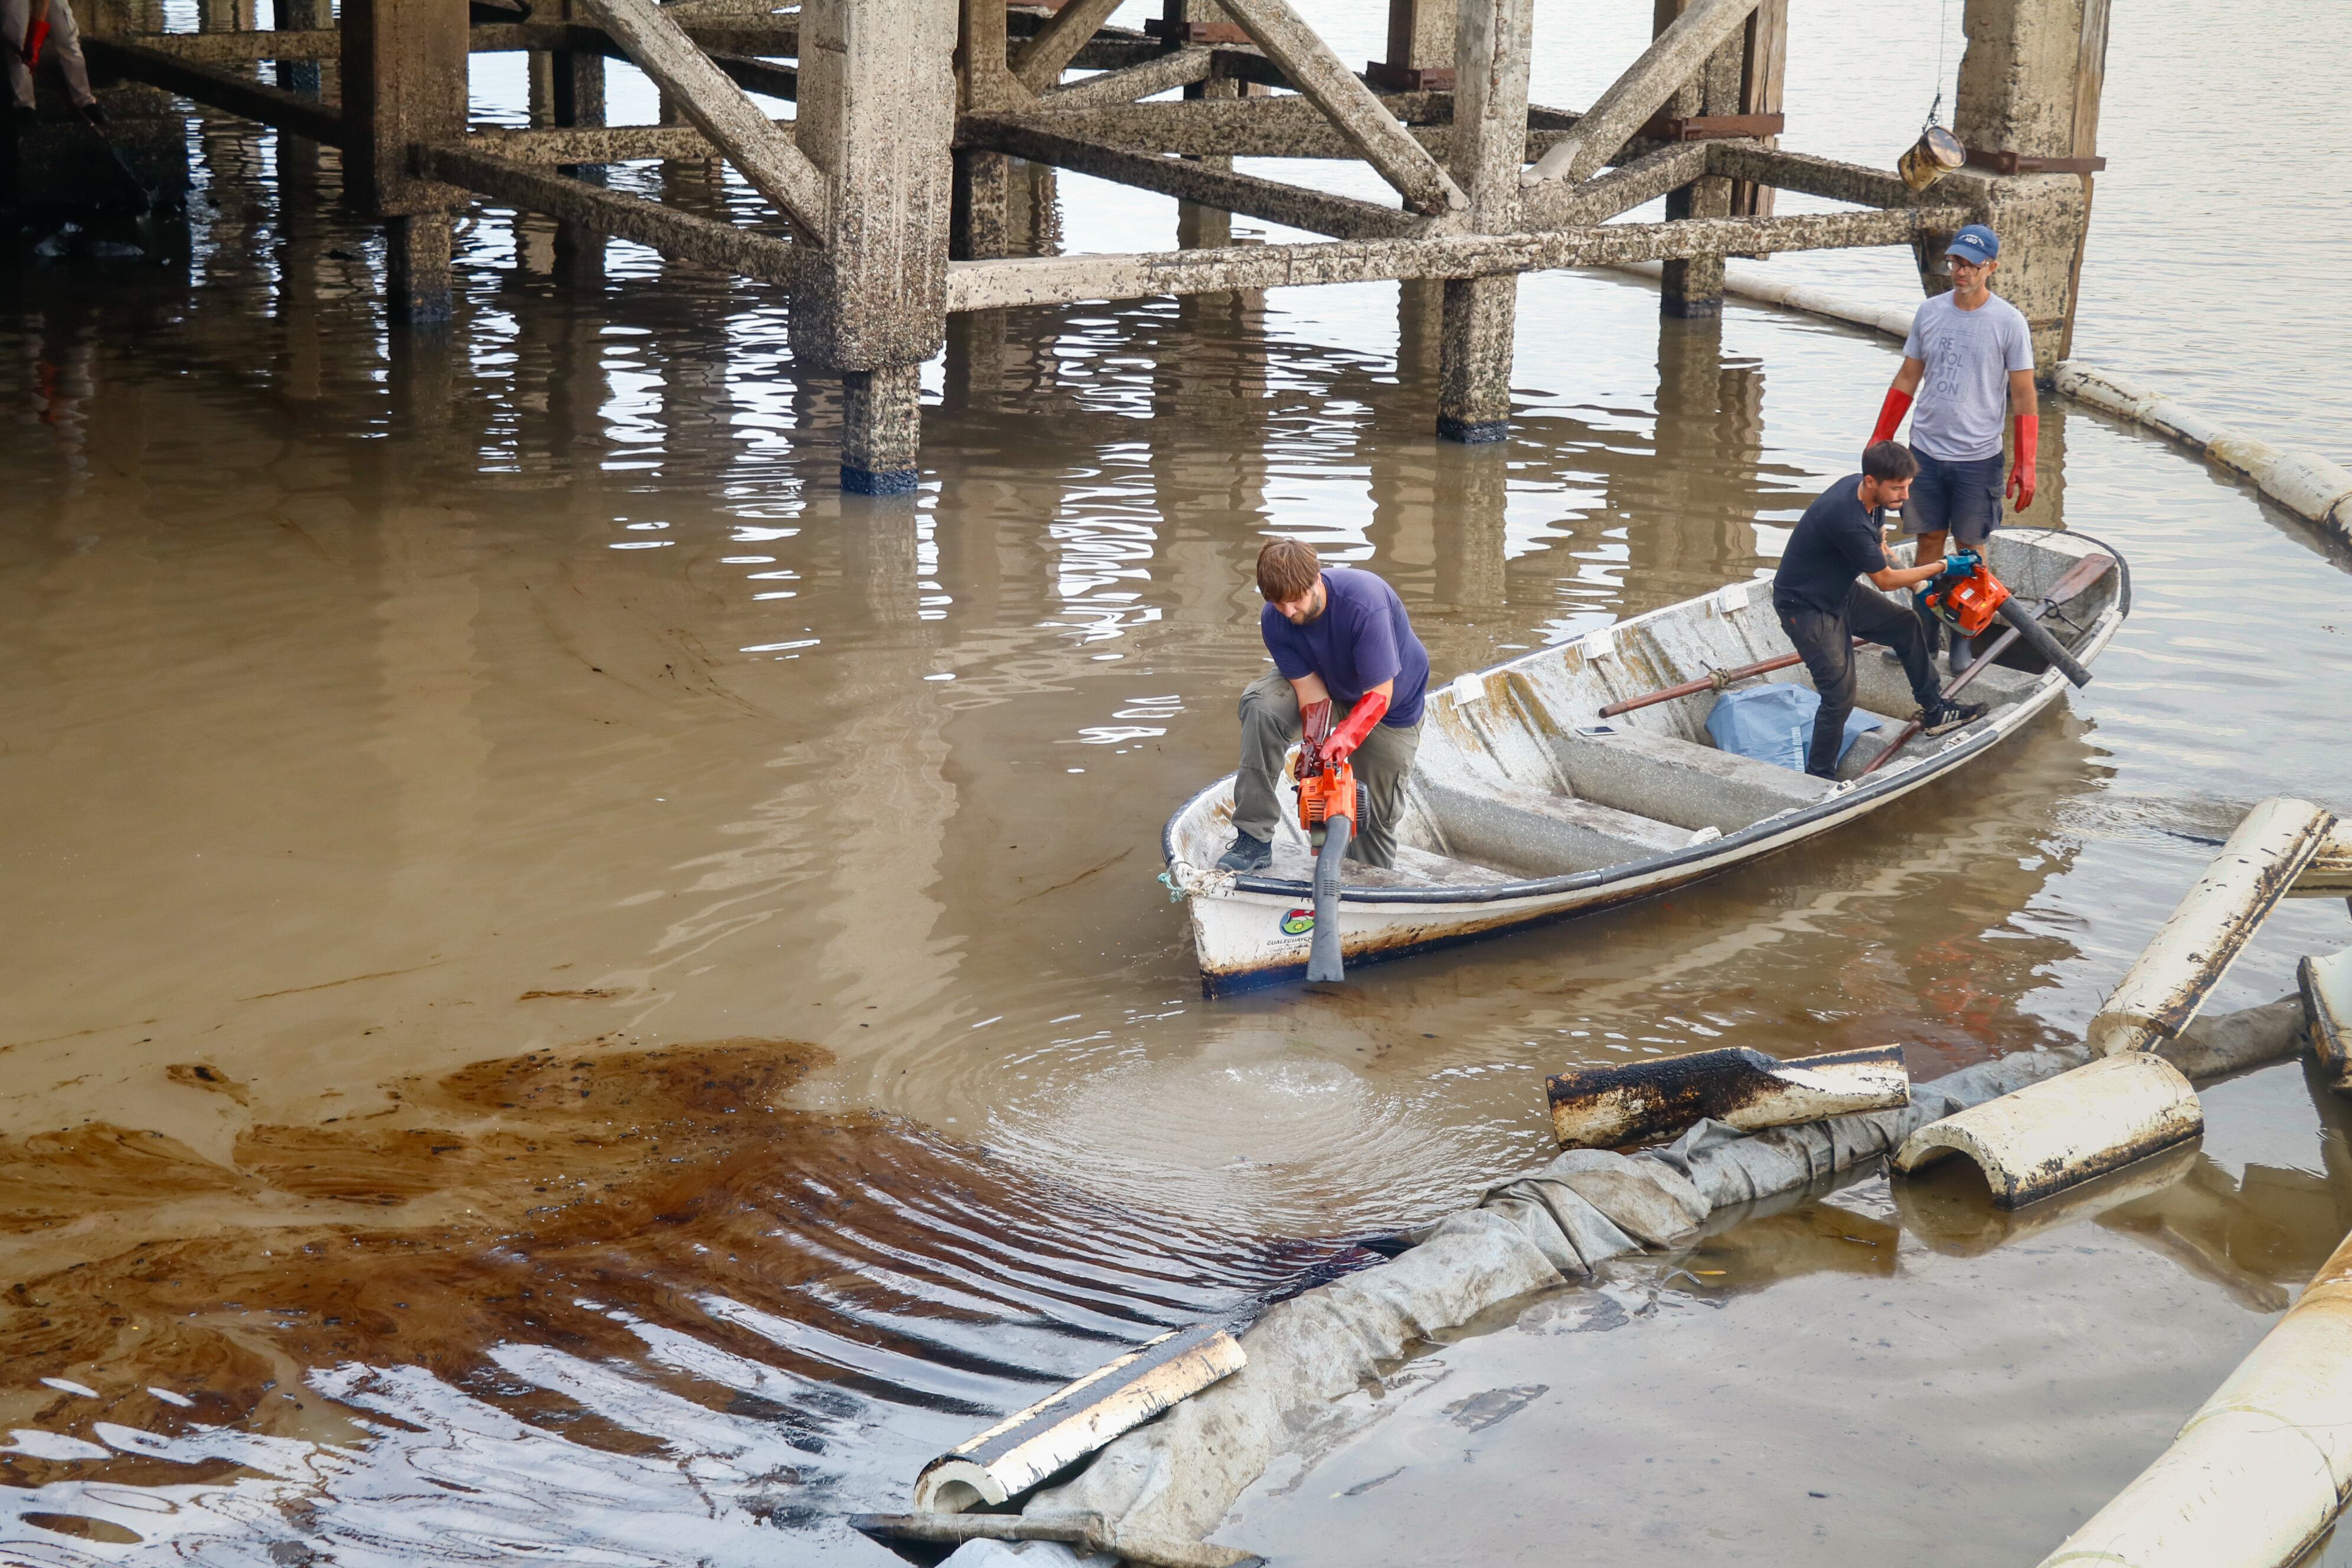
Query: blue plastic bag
x,y
1774,723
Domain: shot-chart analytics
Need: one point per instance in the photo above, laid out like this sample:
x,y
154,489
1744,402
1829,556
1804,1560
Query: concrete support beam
x,y
221,89
881,429
1227,125
1646,179
404,84
1694,287
680,236
1855,183
1491,41
876,117
980,225
1764,70
1065,279
1295,205
1354,108
1044,59
416,266
2029,87
1180,68
980,210
1420,45
589,145
1676,56
984,79
775,167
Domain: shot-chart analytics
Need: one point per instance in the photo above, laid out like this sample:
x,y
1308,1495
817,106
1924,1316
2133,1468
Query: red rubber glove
x,y
1898,403
1360,719
36,35
2020,478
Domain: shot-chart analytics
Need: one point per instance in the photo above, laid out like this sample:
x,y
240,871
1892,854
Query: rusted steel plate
x,y
1608,1107
1029,1444
2049,1136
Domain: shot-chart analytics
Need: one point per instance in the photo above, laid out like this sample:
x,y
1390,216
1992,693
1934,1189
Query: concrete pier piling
x,y
2028,112
917,179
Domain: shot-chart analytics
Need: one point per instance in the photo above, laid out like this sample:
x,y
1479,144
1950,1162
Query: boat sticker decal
x,y
1297,922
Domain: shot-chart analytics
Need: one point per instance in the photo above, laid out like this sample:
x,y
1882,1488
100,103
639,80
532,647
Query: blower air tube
x,y
2038,637
1323,959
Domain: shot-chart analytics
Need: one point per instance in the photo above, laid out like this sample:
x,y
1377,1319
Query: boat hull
x,y
1254,931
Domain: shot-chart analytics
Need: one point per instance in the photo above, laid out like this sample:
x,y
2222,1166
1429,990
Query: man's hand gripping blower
x,y
1327,811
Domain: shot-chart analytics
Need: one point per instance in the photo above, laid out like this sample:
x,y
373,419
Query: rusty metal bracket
x,y
1711,127
2018,164
1409,78
1181,33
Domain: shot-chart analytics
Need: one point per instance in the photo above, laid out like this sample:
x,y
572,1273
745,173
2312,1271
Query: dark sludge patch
x,y
560,1199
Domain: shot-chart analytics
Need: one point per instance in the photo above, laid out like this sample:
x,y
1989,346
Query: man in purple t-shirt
x,y
1341,639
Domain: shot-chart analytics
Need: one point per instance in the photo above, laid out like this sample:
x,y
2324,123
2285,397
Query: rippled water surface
x,y
573,990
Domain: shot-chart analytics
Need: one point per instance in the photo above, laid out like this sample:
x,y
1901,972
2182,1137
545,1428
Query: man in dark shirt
x,y
1341,641
1824,607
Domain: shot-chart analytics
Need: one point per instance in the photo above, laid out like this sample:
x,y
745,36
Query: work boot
x,y
27,118
95,112
1945,715
1252,853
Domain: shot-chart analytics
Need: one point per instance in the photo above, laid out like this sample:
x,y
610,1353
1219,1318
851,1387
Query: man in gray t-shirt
x,y
1969,360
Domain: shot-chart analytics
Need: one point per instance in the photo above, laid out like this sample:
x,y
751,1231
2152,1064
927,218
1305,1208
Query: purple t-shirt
x,y
1362,639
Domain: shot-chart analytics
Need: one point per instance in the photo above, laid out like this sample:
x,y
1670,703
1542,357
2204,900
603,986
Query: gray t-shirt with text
x,y
1964,395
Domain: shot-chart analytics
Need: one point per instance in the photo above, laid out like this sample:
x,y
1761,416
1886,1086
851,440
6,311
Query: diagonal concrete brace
x,y
776,169
1354,108
1672,58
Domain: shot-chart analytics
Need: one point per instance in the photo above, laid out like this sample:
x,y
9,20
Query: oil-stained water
x,y
439,770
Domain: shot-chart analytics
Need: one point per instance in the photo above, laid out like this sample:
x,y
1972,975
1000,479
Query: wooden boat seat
x,y
1538,833
1678,781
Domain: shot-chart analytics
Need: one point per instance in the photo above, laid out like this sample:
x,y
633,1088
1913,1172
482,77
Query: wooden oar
x,y
2085,572
1715,681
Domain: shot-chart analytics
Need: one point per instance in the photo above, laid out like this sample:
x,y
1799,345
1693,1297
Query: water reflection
x,y
526,700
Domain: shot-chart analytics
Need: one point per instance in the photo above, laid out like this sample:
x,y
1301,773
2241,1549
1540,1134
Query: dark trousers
x,y
1826,644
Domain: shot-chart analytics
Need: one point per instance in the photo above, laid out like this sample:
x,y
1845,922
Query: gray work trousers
x,y
65,43
1270,726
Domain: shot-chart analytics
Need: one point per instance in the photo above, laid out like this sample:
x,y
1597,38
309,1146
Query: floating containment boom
x,y
1606,1107
2052,1135
2326,985
2258,1474
1026,1446
2271,848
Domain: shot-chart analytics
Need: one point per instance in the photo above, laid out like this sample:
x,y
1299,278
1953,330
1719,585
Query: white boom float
x,y
2126,1104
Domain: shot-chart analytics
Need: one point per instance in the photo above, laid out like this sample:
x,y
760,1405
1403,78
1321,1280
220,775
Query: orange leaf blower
x,y
1327,810
1966,596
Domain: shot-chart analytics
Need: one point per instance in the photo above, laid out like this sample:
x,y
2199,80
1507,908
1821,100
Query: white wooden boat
x,y
1525,805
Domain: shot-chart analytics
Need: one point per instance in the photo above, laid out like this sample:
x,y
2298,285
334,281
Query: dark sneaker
x,y
95,113
1946,716
1255,854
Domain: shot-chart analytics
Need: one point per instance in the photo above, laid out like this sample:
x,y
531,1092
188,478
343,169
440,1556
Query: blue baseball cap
x,y
1975,243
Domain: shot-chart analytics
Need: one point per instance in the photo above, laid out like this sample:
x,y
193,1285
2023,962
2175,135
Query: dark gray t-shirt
x,y
1963,393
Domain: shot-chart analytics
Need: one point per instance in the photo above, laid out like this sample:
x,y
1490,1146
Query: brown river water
x,y
571,991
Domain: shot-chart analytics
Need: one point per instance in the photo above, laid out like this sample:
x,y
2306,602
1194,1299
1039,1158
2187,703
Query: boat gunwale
x,y
1852,796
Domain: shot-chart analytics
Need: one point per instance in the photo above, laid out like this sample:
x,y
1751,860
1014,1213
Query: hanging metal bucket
x,y
1936,154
